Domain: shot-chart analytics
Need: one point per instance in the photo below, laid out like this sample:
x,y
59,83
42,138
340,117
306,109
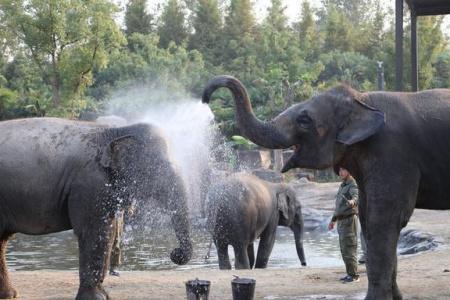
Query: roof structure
x,y
417,8
429,7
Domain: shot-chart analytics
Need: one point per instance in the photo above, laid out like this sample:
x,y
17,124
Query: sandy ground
x,y
421,276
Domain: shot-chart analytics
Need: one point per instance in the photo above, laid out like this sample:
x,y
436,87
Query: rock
x,y
303,180
412,241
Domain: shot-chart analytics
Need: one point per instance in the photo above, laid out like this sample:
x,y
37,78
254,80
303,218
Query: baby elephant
x,y
242,208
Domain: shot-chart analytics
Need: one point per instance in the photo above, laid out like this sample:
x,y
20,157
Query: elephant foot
x,y
8,293
379,297
92,294
396,294
180,256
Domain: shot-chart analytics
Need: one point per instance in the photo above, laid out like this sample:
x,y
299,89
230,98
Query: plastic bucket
x,y
243,288
197,289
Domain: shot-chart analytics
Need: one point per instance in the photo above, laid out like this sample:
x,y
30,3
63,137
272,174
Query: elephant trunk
x,y
265,134
297,228
180,222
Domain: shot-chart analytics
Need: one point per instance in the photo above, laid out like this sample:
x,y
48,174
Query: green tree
x,y
175,68
442,66
172,26
309,38
276,16
338,31
66,39
432,42
237,46
207,23
353,68
356,11
239,21
137,19
375,34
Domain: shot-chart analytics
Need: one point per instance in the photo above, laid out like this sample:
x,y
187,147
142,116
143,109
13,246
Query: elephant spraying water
x,y
396,146
57,175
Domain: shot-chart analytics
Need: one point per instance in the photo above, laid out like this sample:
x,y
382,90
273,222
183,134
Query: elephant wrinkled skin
x,y
395,144
242,208
58,174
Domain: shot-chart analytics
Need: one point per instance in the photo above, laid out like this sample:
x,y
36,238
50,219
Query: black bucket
x,y
197,289
243,288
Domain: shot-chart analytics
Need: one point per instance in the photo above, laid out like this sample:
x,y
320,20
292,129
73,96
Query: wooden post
x,y
399,45
414,64
277,160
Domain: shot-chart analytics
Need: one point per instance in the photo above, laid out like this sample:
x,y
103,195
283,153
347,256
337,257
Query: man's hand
x,y
331,225
351,203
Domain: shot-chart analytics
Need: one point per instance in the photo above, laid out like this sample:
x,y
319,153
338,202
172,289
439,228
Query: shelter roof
x,y
429,7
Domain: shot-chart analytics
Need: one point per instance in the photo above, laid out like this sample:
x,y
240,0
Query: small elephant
x,y
58,174
242,208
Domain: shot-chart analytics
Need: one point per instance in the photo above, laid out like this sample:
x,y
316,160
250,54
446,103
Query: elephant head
x,y
290,211
320,128
139,167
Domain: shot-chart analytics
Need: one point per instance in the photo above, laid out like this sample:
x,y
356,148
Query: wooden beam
x,y
414,61
433,10
399,45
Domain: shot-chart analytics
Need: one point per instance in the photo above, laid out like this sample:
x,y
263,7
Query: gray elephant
x,y
395,145
242,208
58,174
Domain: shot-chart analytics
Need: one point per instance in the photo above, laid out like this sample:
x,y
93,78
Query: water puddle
x,y
150,251
318,297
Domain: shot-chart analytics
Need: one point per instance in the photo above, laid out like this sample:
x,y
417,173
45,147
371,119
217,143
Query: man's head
x,y
343,173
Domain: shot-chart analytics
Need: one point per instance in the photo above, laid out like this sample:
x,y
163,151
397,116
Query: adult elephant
x,y
58,174
242,208
395,144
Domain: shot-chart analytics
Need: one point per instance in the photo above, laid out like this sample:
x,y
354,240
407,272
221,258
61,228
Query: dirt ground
x,y
421,276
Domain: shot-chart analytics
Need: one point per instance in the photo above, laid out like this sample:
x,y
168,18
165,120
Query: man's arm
x,y
353,193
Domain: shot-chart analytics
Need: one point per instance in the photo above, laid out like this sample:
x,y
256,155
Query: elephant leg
x,y
6,290
222,253
265,247
396,294
241,259
387,211
251,255
94,245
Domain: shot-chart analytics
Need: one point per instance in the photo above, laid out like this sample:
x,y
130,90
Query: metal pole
x,y
380,75
414,61
399,45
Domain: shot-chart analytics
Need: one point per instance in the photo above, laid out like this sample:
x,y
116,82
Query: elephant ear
x,y
363,122
283,205
114,152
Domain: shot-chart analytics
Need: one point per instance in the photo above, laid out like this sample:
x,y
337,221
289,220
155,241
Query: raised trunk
x,y
265,134
297,228
180,222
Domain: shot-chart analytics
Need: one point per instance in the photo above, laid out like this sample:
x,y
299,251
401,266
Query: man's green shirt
x,y
348,191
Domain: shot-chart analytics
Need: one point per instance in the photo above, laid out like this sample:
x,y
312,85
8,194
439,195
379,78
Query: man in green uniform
x,y
346,216
116,251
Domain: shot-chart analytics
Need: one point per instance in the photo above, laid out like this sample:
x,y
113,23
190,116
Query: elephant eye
x,y
304,121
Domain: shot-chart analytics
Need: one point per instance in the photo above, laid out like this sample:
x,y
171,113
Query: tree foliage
x,y
66,40
172,27
207,25
137,19
59,57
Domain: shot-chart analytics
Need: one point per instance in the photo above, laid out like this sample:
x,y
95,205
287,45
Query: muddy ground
x,y
420,276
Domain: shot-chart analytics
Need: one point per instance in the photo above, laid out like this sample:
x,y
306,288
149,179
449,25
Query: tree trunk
x,y
56,99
